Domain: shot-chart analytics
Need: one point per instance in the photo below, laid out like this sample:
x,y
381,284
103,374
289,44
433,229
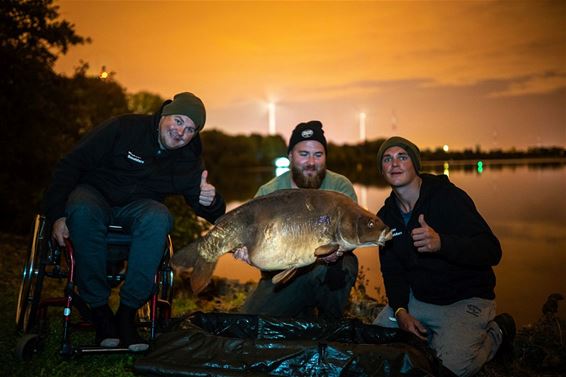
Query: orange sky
x,y
460,73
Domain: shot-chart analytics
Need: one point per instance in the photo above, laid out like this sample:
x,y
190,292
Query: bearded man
x,y
322,289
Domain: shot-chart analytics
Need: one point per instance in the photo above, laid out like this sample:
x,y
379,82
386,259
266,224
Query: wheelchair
x,y
45,259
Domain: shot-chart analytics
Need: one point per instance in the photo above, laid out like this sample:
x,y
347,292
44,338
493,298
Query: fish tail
x,y
190,266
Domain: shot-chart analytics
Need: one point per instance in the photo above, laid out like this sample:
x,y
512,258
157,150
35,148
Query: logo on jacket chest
x,y
135,158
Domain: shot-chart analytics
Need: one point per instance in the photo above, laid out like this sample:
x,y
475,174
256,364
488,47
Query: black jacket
x,y
122,159
460,269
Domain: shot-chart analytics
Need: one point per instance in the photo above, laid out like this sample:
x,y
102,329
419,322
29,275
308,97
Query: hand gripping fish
x,y
284,230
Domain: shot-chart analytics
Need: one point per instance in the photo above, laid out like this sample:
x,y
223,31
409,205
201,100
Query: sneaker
x,y
126,318
508,329
105,326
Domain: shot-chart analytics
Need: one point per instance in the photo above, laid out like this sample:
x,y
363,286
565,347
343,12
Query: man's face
x,y
176,131
308,164
397,167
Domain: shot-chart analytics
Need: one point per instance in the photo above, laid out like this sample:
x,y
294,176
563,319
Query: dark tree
x,y
32,102
144,102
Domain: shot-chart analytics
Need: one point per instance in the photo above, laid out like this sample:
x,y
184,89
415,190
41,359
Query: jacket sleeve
x,y
470,241
397,287
85,156
212,212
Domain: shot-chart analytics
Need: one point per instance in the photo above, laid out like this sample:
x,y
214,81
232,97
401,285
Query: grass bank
x,y
540,348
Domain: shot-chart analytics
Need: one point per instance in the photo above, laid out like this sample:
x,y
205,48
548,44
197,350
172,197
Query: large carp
x,y
284,230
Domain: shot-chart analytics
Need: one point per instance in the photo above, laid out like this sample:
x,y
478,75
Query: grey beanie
x,y
187,104
397,141
311,130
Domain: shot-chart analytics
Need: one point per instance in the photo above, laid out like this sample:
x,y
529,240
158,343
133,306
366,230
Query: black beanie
x,y
397,141
187,104
311,130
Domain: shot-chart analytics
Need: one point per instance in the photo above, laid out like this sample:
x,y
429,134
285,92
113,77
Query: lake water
x,y
524,203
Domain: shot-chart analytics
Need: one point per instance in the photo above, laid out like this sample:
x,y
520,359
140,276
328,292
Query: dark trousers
x,y
319,290
88,216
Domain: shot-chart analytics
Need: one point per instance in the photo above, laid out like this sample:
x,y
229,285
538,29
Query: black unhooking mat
x,y
225,344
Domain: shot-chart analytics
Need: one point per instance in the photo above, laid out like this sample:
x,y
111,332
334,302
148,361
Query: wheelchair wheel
x,y
27,346
164,290
32,279
166,276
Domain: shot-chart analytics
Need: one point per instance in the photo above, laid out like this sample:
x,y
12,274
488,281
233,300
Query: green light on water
x,y
480,166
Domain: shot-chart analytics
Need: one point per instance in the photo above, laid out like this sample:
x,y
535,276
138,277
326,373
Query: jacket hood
x,y
433,184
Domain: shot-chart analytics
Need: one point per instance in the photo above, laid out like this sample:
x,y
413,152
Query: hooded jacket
x,y
122,159
461,269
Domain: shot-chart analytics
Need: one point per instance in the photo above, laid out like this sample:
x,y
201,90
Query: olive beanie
x,y
397,141
187,104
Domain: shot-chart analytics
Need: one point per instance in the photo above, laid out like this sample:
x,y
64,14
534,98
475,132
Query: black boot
x,y
126,317
105,326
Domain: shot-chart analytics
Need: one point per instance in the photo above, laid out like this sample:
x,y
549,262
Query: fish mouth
x,y
385,235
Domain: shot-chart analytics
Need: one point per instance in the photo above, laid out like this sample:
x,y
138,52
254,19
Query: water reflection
x,y
523,203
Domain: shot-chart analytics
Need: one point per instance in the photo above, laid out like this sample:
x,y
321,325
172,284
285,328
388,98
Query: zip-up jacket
x,y
461,269
123,160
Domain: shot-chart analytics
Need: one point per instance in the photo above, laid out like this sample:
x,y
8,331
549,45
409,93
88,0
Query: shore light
x,y
281,165
282,162
103,73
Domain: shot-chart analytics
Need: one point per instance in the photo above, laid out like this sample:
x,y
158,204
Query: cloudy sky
x,y
462,73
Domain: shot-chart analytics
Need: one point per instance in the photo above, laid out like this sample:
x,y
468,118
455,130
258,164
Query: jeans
x,y
88,217
322,289
463,334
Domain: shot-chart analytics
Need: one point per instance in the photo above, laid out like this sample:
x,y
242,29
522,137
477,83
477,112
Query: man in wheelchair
x,y
119,174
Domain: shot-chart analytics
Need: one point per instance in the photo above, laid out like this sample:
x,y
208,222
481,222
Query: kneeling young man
x,y
437,270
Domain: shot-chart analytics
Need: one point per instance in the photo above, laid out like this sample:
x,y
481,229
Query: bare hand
x,y
331,258
60,231
241,253
410,324
207,191
425,238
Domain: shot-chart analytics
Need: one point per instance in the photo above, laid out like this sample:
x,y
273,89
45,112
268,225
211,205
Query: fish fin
x,y
325,250
284,276
190,266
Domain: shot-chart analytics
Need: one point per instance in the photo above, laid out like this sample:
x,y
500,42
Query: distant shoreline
x,y
464,162
498,161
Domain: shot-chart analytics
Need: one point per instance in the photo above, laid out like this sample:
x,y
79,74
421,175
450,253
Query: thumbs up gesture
x,y
425,238
207,191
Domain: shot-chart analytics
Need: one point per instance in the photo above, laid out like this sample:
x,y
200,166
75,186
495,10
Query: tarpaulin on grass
x,y
226,344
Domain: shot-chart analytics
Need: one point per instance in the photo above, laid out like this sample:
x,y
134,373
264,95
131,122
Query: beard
x,y
305,181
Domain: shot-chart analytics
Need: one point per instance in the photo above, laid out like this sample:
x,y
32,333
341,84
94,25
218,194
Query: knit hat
x,y
311,130
187,104
397,141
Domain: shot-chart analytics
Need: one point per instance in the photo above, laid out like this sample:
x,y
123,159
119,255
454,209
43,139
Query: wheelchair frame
x,y
45,259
